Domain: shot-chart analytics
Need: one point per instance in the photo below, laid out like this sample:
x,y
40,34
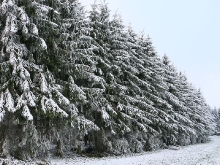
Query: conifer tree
x,y
30,89
164,123
72,53
74,82
174,96
25,91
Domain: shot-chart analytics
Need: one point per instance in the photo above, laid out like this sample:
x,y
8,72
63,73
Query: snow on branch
x,y
43,84
49,105
62,100
9,101
85,125
2,111
26,113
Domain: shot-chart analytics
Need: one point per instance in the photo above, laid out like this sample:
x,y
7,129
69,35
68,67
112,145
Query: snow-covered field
x,y
200,154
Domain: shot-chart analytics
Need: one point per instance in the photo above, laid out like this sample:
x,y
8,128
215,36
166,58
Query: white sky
x,y
188,31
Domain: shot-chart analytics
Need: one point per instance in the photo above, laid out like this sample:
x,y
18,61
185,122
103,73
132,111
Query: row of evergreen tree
x,y
76,81
216,119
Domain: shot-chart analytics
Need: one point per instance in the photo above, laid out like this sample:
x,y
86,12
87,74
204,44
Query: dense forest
x,y
77,82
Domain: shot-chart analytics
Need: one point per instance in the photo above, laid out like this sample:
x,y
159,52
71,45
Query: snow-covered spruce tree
x,y
16,95
67,80
110,36
85,87
135,113
187,127
175,98
193,127
19,94
136,109
206,117
216,120
131,57
105,106
125,89
68,58
191,111
50,102
34,108
154,75
123,92
199,113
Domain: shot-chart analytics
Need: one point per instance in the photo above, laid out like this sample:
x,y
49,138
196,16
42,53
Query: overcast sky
x,y
188,31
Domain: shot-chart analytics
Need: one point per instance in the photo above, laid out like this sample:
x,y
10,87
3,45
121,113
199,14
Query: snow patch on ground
x,y
199,154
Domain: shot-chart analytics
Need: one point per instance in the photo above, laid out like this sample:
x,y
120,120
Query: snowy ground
x,y
200,154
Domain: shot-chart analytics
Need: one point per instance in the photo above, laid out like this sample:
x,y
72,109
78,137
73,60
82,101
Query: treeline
x,y
77,83
216,119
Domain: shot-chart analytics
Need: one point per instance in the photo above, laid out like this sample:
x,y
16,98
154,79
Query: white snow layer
x,y
26,86
34,30
50,105
30,98
43,44
9,102
13,59
199,154
43,85
2,111
26,113
85,125
23,16
11,24
105,115
10,2
1,101
25,30
62,100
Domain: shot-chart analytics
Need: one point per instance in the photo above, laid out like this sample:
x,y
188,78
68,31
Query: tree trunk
x,y
59,149
79,149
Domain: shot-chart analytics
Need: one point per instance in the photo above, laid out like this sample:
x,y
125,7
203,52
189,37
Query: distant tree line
x,y
216,118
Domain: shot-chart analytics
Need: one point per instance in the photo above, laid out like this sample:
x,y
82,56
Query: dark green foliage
x,y
71,83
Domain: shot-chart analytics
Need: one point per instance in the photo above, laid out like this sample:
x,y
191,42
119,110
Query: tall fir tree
x,y
74,82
